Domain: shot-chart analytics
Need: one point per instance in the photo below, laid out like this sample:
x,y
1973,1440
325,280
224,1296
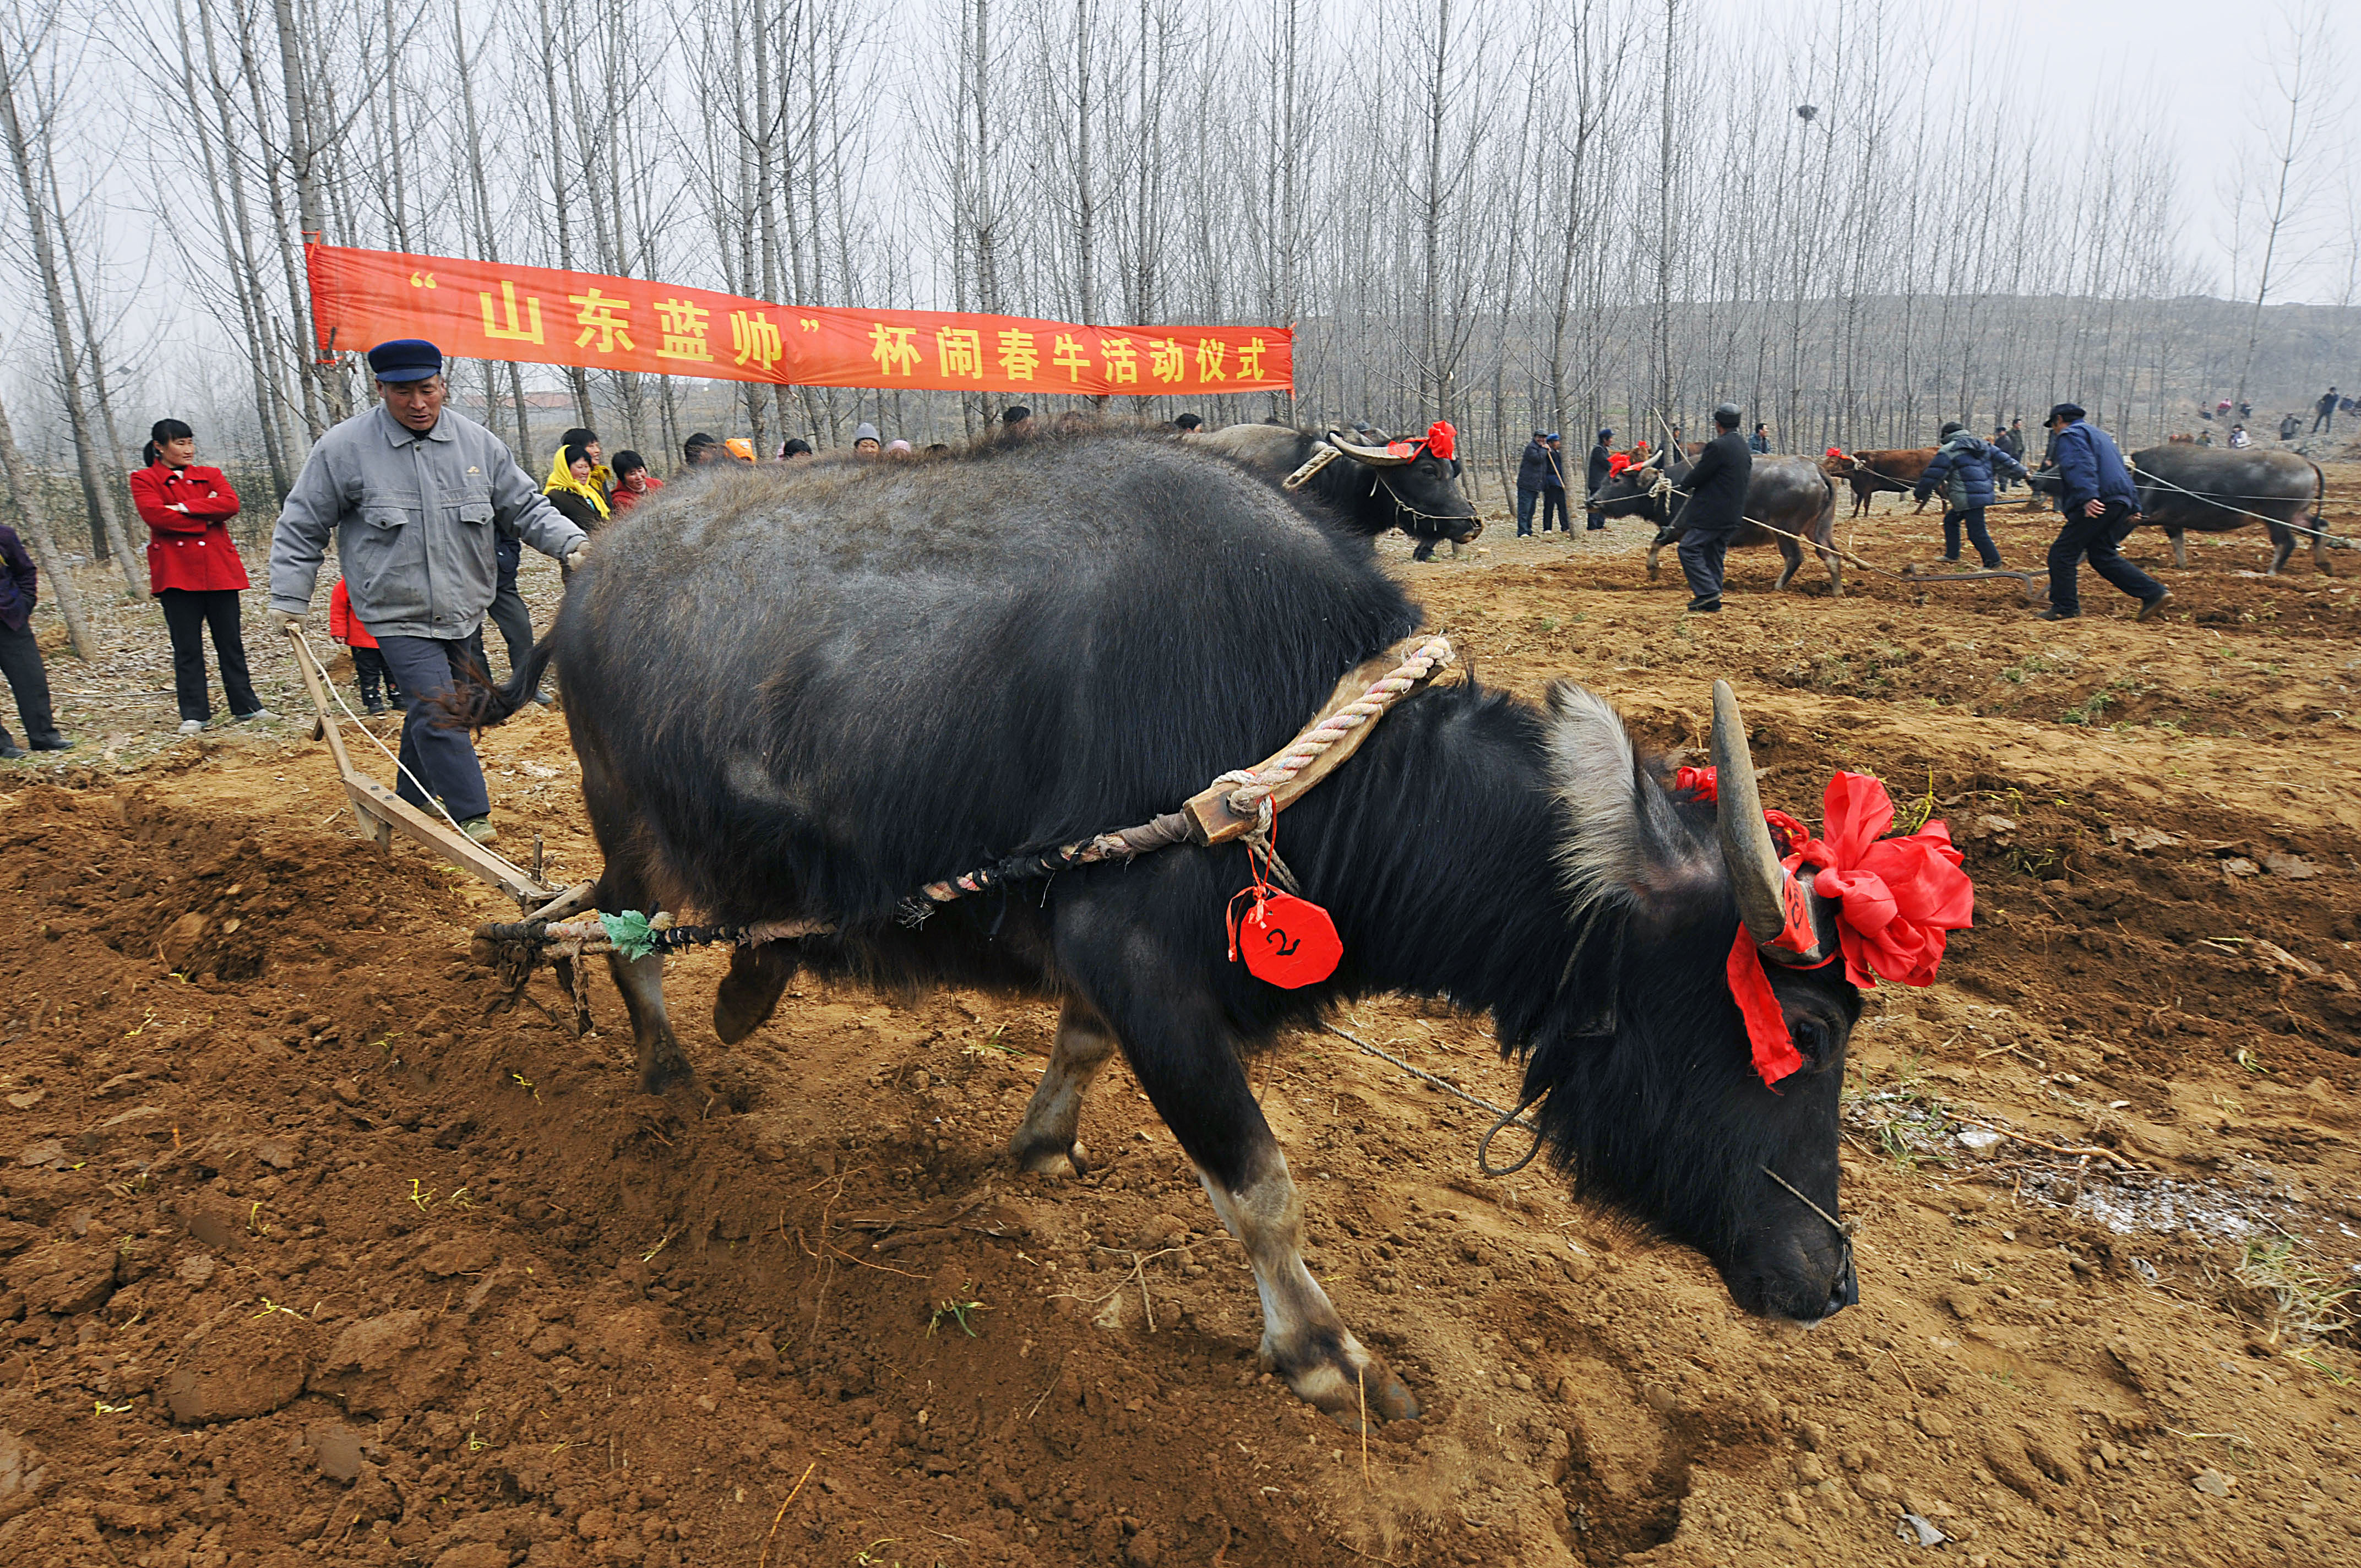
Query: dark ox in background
x,y
2232,487
1371,490
1895,469
1789,493
801,694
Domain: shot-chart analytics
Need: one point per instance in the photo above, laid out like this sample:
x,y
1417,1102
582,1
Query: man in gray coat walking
x,y
417,497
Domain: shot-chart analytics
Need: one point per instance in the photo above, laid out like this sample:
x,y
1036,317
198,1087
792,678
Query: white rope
x,y
2219,501
524,877
1252,797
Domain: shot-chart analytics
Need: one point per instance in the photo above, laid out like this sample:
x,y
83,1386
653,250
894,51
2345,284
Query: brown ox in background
x,y
1896,470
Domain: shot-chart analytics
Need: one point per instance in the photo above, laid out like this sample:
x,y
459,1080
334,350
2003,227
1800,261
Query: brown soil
x,y
306,1258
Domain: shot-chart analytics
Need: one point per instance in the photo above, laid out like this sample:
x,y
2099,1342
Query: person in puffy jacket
x,y
194,570
1965,468
369,669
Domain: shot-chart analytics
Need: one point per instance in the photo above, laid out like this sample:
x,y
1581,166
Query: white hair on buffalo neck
x,y
1625,844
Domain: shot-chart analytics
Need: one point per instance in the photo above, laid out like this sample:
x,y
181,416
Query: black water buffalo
x,y
1372,490
800,694
1791,494
2229,489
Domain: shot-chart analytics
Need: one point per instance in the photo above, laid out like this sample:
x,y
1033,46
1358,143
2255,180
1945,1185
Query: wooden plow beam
x,y
382,813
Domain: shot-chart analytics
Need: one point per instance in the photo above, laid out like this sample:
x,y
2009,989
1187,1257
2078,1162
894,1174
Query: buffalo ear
x,y
1624,843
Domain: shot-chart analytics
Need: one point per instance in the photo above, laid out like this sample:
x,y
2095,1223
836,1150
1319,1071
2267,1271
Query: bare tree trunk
x,y
25,492
105,527
311,212
575,378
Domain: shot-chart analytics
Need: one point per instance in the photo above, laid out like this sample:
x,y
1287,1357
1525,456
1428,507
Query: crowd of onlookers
x,y
197,574
2324,409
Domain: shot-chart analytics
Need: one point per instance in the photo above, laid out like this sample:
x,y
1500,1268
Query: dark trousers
x,y
371,674
1701,558
1974,517
441,758
20,662
2324,419
1554,505
2095,538
508,613
187,613
1525,499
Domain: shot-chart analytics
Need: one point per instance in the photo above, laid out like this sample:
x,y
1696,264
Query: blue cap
x,y
1606,435
405,359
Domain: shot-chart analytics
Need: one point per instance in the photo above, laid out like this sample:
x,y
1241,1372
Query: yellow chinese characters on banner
x,y
477,310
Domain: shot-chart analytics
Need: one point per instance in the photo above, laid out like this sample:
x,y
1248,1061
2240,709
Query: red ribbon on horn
x,y
1898,900
1440,439
1703,783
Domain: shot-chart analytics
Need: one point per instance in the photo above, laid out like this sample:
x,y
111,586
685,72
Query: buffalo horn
x,y
1755,873
1375,456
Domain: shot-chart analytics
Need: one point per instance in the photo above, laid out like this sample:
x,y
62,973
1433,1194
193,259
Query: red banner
x,y
478,310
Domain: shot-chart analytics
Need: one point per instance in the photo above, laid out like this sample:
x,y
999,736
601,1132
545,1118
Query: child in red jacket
x,y
369,668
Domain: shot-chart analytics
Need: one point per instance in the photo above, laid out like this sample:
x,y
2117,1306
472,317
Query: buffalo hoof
x,y
1343,1381
1651,565
1049,1159
670,1069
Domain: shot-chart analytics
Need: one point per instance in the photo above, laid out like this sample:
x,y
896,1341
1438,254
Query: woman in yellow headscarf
x,y
573,489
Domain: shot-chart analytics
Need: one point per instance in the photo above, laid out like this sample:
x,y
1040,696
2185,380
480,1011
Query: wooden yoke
x,y
1210,820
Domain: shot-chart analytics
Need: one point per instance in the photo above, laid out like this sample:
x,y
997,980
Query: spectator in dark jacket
x,y
573,488
1965,467
1760,442
1531,464
2096,495
1554,486
1716,485
20,655
2326,412
1601,465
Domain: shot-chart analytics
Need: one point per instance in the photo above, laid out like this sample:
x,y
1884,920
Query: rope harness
x,y
2335,541
1251,797
1241,804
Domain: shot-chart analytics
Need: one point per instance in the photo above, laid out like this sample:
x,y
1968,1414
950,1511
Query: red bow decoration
x,y
1703,783
1618,462
1897,900
1837,452
1439,439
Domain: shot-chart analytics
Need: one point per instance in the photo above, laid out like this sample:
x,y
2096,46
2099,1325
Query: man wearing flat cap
x,y
2096,495
416,495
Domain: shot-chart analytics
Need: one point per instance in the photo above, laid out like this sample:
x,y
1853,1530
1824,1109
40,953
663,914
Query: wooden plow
x,y
381,814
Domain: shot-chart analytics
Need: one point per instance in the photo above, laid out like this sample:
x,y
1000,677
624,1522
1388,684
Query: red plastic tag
x,y
1287,941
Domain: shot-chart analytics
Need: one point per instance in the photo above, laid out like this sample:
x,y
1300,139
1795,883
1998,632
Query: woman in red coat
x,y
192,567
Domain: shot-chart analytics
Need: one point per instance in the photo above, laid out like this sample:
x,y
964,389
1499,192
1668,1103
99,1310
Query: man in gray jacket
x,y
416,496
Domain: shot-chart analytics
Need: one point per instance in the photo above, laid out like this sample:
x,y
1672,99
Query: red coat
x,y
189,550
343,624
625,498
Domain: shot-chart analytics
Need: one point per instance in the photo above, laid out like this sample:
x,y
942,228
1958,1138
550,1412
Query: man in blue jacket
x,y
1965,467
2098,501
20,653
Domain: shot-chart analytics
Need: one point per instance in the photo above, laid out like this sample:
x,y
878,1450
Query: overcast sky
x,y
2204,69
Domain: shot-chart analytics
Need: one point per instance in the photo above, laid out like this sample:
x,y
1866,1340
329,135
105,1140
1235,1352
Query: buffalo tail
x,y
478,704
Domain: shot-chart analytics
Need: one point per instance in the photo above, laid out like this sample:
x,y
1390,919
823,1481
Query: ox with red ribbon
x,y
1885,906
